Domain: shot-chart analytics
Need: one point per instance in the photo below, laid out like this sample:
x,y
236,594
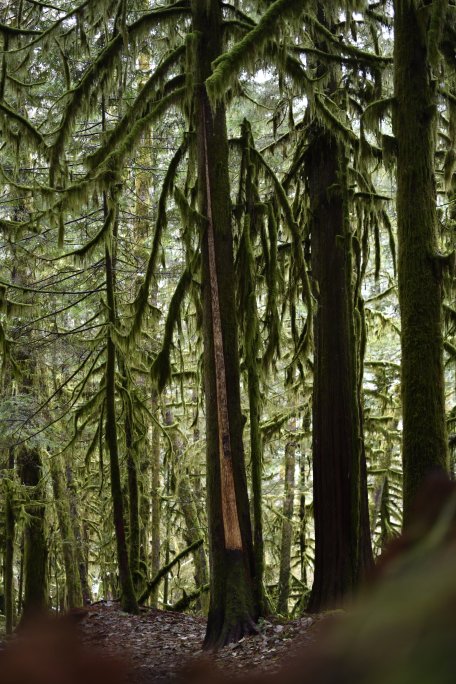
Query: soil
x,y
158,644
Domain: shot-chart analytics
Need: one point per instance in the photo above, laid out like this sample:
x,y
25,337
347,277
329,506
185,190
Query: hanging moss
x,y
85,96
141,300
27,128
147,97
227,66
161,367
112,157
298,251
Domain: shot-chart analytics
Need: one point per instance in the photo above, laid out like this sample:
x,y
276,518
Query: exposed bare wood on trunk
x,y
233,539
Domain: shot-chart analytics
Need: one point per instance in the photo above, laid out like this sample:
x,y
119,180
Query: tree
x,y
343,549
424,445
232,611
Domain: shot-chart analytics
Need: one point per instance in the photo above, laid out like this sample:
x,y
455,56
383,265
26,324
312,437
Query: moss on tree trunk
x,y
70,561
35,548
420,283
232,611
342,537
128,598
155,504
287,524
8,561
81,550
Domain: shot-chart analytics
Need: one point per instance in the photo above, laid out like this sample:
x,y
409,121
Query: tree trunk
x,y
62,504
342,536
186,502
156,504
134,536
79,537
420,282
10,529
128,598
35,548
287,525
232,611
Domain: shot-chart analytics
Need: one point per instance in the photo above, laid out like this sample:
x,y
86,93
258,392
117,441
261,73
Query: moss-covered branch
x,y
167,568
227,66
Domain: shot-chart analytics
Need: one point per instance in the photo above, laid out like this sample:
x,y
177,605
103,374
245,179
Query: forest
x,y
228,326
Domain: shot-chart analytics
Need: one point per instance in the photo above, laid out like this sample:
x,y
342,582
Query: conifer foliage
x,y
203,361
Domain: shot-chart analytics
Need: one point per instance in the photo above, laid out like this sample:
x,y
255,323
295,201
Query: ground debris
x,y
158,644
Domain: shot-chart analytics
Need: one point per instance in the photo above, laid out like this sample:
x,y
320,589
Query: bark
x,y
128,598
155,507
134,535
62,504
287,527
424,446
342,537
343,551
232,611
10,529
186,502
35,548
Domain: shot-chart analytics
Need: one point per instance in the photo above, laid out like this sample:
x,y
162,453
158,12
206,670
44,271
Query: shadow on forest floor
x,y
153,646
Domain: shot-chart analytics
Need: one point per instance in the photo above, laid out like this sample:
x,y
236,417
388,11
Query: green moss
x,y
227,66
420,283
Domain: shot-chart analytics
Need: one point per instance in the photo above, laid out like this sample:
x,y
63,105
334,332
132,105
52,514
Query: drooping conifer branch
x,y
84,95
298,250
112,158
140,303
26,127
161,367
146,98
227,66
342,47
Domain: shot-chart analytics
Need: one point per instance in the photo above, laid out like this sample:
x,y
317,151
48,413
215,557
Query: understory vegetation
x,y
227,292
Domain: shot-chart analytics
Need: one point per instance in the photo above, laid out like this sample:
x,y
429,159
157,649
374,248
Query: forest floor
x,y
158,644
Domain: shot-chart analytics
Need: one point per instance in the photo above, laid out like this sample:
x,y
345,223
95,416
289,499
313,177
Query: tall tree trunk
x,y
62,504
81,551
155,504
134,535
252,347
128,598
35,548
232,611
186,502
287,524
343,551
342,537
420,282
10,530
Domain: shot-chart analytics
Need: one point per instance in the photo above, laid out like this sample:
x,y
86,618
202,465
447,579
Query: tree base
x,y
229,634
232,614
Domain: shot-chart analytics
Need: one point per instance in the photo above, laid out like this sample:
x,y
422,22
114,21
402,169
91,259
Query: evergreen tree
x,y
419,264
232,611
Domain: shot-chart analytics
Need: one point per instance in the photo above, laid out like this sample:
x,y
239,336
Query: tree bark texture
x,y
424,445
342,536
287,525
70,561
128,598
232,611
35,547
